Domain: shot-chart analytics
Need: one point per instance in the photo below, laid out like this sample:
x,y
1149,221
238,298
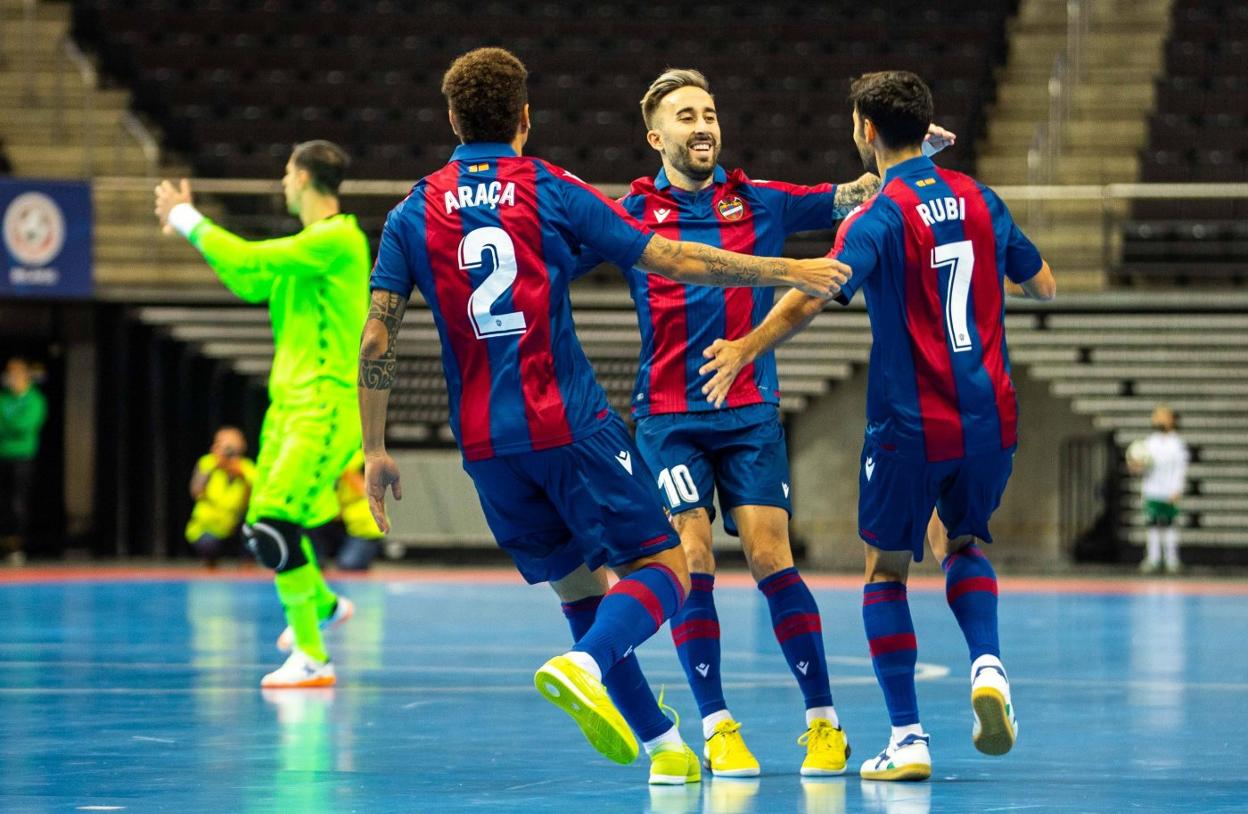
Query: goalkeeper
x,y
316,285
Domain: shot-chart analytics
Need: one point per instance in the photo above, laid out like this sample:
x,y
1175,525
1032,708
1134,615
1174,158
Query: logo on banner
x,y
34,229
731,208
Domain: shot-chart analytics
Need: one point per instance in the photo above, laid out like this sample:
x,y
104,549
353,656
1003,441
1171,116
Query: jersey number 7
x,y
960,258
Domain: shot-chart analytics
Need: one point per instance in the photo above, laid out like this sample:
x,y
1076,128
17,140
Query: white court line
x,y
740,679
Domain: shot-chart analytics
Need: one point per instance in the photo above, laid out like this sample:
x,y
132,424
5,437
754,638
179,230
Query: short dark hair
x,y
898,103
325,161
486,90
670,81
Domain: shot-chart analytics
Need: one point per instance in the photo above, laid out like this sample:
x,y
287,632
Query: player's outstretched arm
x,y
247,267
787,318
696,263
378,365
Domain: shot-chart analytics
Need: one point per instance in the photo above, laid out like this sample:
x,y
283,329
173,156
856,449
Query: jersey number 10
x,y
960,258
472,251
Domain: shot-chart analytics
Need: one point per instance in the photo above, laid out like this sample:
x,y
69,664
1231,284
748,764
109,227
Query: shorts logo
x,y
661,214
869,467
626,460
785,487
731,208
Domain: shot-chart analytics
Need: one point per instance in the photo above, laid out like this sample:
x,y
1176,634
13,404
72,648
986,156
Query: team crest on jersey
x,y
731,208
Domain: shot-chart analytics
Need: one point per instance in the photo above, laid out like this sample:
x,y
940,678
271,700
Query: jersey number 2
x,y
472,250
960,258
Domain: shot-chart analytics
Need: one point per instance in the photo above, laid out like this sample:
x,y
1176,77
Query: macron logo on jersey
x,y
492,195
869,467
661,214
626,460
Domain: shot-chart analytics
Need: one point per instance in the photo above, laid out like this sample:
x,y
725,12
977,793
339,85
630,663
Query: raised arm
x,y
378,365
695,263
851,195
246,267
787,318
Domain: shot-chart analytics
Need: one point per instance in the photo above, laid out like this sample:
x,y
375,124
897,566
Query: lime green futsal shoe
x,y
674,767
344,609
575,691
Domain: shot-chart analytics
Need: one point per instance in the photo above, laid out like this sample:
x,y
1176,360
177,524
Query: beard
x,y
868,158
683,160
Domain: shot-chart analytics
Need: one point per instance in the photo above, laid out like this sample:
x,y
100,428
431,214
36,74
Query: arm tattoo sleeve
x,y
387,308
713,266
854,194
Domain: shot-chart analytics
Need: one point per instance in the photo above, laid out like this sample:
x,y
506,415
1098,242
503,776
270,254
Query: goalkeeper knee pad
x,y
276,544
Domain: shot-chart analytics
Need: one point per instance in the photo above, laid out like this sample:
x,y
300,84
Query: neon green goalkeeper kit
x,y
316,285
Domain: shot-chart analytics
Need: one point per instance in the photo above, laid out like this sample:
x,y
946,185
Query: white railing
x,y
1045,153
74,70
76,62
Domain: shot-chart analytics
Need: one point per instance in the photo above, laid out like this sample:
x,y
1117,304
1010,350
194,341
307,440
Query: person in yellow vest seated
x,y
363,538
221,488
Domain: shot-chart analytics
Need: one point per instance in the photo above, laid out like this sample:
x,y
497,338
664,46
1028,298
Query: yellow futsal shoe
x,y
575,691
726,753
674,767
827,750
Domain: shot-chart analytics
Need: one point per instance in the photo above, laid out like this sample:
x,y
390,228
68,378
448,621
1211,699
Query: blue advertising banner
x,y
45,238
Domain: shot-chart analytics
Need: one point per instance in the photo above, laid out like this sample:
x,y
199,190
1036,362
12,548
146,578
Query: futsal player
x,y
695,448
492,242
931,251
316,286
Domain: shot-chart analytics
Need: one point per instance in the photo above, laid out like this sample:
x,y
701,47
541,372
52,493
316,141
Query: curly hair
x,y
898,103
486,91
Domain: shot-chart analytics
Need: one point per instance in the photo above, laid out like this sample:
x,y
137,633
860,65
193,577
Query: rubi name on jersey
x,y
938,211
492,195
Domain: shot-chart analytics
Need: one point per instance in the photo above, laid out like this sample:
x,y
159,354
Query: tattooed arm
x,y
378,364
854,194
687,262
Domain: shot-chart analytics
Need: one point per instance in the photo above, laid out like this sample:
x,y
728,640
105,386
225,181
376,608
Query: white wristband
x,y
184,218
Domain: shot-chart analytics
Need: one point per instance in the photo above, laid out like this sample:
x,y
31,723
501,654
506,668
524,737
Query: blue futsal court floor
x,y
138,691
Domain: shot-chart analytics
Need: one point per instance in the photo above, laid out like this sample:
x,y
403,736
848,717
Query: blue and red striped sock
x,y
971,589
625,682
799,630
894,652
695,632
631,612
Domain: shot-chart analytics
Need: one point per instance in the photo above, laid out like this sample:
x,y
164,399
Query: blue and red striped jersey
x,y
930,253
492,241
679,321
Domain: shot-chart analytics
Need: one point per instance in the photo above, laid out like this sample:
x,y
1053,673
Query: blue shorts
x,y
739,452
590,502
896,496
